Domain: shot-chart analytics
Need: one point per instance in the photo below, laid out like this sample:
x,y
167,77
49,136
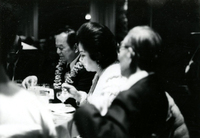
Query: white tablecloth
x,y
65,126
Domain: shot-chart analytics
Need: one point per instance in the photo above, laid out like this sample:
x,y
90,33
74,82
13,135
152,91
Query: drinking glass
x,y
63,95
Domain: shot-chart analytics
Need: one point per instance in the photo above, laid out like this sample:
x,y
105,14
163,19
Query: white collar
x,y
135,78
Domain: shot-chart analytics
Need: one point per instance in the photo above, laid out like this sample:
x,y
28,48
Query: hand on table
x,y
78,95
29,81
70,89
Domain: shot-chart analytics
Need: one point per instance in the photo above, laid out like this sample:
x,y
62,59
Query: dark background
x,y
174,20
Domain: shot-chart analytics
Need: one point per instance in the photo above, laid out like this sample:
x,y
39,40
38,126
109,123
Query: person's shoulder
x,y
11,89
113,68
111,71
146,87
38,108
28,98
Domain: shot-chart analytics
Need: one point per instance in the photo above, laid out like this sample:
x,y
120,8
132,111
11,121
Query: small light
x,y
87,16
126,5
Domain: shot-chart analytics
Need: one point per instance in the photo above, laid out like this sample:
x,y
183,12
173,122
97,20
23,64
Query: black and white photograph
x,y
99,68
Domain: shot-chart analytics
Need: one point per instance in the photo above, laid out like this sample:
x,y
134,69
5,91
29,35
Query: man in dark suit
x,y
69,69
73,71
143,109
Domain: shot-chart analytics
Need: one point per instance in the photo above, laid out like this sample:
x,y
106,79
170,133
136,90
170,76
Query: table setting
x,y
62,113
54,100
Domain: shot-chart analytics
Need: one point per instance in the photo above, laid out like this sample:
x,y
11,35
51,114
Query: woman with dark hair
x,y
69,69
145,110
98,51
99,42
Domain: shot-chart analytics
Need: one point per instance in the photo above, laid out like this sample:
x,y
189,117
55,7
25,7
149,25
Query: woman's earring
x,y
76,51
76,47
98,65
97,62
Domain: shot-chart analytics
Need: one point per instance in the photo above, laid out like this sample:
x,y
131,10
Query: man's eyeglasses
x,y
123,47
128,48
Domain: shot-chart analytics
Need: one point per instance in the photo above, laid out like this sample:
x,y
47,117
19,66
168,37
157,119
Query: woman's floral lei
x,y
69,76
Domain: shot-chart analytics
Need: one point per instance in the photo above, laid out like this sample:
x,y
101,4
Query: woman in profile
x,y
98,51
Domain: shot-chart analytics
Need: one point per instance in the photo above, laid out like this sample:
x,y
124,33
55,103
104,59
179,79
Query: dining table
x,y
63,119
62,113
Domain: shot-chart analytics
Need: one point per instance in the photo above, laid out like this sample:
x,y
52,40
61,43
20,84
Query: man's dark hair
x,y
71,38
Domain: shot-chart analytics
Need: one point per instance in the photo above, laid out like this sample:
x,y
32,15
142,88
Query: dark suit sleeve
x,y
115,124
83,81
91,124
137,112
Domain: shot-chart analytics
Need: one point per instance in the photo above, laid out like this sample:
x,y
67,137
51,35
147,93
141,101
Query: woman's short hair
x,y
71,38
147,46
99,42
